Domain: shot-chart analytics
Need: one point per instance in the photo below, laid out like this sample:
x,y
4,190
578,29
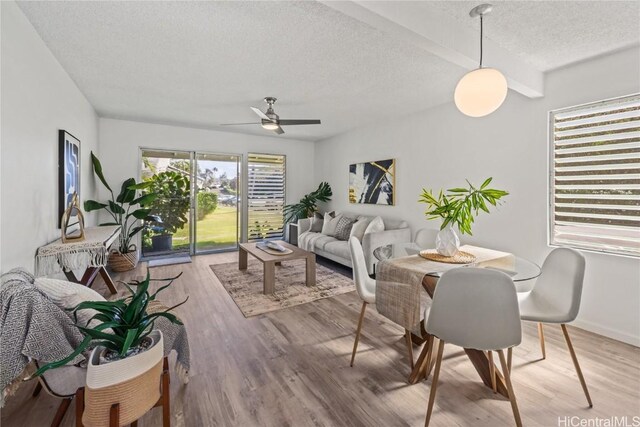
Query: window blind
x,y
265,196
595,176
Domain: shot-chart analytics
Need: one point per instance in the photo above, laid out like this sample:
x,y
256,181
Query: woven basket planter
x,y
133,383
123,262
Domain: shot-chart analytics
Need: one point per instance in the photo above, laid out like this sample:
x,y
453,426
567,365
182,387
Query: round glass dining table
x,y
520,270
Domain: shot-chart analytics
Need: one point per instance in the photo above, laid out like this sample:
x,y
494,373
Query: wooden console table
x,y
90,254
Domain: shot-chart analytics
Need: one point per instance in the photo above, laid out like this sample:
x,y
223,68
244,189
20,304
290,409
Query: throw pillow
x,y
375,226
343,229
329,224
359,228
67,295
316,222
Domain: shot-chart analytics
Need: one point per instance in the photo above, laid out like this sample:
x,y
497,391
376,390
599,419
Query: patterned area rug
x,y
245,287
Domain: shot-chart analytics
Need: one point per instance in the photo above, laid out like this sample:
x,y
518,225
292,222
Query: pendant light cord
x,y
481,41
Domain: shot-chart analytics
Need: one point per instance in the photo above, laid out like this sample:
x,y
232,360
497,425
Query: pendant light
x,y
482,91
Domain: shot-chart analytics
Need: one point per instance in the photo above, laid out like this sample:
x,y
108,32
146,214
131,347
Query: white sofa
x,y
395,231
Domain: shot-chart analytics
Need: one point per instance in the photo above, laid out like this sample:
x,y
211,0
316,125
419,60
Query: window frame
x,y
551,178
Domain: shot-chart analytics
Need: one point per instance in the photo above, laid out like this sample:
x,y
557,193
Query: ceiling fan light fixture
x,y
482,91
269,125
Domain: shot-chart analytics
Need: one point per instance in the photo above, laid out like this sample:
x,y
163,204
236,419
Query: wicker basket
x,y
133,383
123,262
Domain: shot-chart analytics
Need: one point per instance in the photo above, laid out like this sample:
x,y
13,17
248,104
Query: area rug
x,y
245,286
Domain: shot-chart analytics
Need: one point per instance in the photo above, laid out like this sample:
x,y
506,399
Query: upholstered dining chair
x,y
365,286
555,298
426,238
475,308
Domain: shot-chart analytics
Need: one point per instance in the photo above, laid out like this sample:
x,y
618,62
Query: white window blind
x,y
595,176
265,196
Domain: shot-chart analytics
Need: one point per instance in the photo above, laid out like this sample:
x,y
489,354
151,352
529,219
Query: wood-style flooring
x,y
291,368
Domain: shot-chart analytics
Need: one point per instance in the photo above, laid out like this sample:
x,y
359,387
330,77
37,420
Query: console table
x,y
90,254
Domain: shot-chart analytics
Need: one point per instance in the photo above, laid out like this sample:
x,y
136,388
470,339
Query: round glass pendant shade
x,y
480,92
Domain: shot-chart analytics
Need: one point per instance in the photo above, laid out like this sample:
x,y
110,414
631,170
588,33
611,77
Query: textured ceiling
x,y
551,34
204,63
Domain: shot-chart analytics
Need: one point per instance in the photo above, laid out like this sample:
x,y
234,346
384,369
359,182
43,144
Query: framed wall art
x,y
68,170
373,182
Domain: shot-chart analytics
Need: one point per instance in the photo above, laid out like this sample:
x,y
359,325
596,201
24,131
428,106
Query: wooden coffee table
x,y
269,262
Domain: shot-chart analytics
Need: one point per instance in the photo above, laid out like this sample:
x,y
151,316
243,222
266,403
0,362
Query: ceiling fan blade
x,y
284,122
260,113
237,124
278,130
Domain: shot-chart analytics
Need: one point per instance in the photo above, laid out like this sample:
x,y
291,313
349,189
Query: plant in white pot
x,y
458,207
125,365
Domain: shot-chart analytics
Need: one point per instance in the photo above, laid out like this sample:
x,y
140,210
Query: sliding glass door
x,y
198,204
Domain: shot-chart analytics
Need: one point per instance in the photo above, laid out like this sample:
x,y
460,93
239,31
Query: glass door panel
x,y
217,202
170,173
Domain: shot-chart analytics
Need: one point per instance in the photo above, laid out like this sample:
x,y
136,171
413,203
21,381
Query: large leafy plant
x,y
172,202
459,206
127,319
307,206
126,208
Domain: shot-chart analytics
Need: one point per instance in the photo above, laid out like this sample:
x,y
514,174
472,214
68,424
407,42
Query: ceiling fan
x,y
271,121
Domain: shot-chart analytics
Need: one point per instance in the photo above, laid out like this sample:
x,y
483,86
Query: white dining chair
x,y
555,298
475,308
426,238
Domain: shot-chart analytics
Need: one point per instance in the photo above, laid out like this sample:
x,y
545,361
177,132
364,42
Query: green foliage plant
x,y
307,206
459,206
127,319
126,208
173,201
207,203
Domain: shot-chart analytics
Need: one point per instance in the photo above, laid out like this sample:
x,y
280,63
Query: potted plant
x,y
125,209
170,207
125,365
458,207
307,206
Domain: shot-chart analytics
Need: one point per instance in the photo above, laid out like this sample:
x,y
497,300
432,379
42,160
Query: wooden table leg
x,y
311,270
481,363
107,280
242,259
269,270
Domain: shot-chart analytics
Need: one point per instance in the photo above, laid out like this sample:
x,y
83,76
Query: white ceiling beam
x,y
427,27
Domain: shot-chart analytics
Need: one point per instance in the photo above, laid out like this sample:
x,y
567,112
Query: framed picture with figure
x,y
68,170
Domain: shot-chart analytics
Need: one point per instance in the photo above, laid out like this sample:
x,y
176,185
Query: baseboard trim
x,y
607,332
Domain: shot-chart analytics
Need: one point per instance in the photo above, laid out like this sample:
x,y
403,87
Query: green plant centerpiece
x,y
308,205
171,207
458,207
125,209
126,361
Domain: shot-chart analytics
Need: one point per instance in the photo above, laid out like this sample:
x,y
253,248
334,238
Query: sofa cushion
x,y
329,224
320,241
343,229
316,223
375,226
359,227
339,248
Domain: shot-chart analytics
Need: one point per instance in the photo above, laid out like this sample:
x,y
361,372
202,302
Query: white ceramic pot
x,y
447,241
132,382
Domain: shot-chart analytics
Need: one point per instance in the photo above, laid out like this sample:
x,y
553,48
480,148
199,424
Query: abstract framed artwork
x,y
373,182
68,170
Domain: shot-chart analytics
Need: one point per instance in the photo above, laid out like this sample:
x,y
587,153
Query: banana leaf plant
x,y
126,208
127,318
307,206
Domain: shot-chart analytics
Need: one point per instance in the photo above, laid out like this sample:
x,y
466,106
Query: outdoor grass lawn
x,y
216,230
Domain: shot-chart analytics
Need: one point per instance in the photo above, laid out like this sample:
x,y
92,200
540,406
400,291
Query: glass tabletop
x,y
519,269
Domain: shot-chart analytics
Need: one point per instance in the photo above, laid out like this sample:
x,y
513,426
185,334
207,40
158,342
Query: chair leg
x,y
541,336
114,415
37,389
492,372
434,383
355,344
166,401
62,410
576,364
407,334
512,397
134,424
79,406
509,357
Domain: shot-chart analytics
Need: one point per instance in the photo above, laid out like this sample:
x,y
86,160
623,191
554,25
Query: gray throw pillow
x,y
316,223
343,229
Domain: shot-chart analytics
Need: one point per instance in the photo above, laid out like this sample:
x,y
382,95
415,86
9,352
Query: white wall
x,y
440,147
38,99
120,143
